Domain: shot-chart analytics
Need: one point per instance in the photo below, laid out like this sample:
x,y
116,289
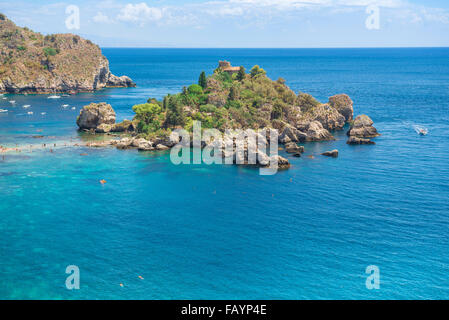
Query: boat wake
x,y
421,130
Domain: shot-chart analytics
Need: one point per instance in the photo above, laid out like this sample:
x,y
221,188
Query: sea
x,y
156,230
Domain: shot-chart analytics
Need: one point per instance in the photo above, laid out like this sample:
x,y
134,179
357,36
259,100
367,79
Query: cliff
x,y
33,63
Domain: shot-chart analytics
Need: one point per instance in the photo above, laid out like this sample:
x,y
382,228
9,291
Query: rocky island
x,y
60,63
232,99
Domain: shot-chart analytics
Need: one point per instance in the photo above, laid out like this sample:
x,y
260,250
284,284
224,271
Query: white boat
x,y
54,97
421,131
43,113
3,110
30,112
26,106
12,101
65,105
73,108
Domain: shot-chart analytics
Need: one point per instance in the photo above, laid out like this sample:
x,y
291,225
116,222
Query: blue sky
x,y
243,23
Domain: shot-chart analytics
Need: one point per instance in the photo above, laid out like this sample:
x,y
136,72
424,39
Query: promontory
x,y
60,63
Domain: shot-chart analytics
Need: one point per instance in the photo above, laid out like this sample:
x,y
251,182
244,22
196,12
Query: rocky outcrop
x,y
292,147
291,134
100,118
282,162
363,128
145,145
344,105
103,128
314,131
96,116
333,154
33,63
119,82
328,116
125,126
356,141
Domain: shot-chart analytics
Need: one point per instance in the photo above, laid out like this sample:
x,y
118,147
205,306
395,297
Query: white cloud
x,y
102,18
140,13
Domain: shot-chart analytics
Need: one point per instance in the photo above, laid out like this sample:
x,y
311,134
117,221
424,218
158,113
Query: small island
x,y
60,63
231,99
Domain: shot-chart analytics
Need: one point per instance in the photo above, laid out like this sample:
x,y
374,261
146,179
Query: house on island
x,y
226,67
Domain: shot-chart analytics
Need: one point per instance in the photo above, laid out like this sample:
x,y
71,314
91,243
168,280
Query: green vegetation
x,y
149,117
257,71
242,74
307,102
224,101
203,80
49,52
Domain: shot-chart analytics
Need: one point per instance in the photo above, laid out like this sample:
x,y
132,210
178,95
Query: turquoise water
x,y
224,232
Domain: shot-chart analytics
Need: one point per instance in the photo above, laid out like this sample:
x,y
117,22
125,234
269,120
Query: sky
x,y
240,23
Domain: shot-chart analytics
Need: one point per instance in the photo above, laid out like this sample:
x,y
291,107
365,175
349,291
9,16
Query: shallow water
x,y
225,232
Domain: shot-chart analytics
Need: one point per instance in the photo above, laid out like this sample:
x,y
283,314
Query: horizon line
x,y
282,48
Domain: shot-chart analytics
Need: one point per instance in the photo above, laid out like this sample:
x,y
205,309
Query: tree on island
x,y
203,80
175,113
242,74
257,71
149,116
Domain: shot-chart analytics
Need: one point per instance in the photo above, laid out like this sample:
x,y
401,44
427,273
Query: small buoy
x,y
102,181
311,157
140,277
121,285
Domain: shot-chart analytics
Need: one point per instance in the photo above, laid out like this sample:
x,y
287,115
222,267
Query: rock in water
x,y
344,105
363,128
333,154
292,147
282,162
96,115
52,63
354,141
119,82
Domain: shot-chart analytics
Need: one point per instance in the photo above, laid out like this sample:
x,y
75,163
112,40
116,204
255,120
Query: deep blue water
x,y
224,232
